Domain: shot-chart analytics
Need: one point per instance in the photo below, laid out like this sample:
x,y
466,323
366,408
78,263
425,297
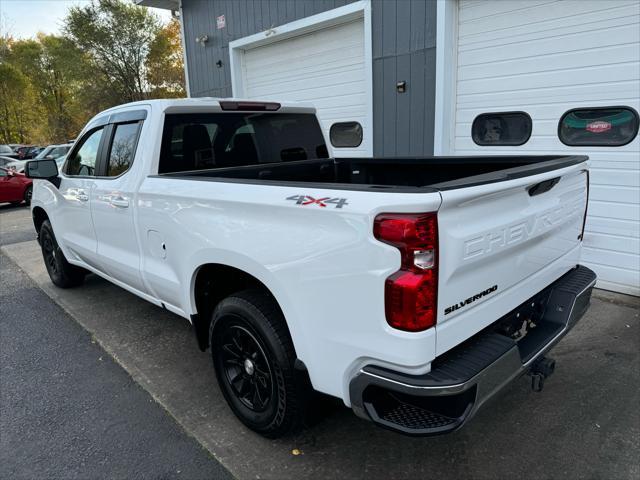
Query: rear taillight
x,y
411,292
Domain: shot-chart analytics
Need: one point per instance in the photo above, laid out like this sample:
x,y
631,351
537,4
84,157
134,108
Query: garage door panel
x,y
566,61
497,51
551,79
623,194
487,10
309,63
346,73
281,62
355,101
628,245
612,226
563,17
613,178
606,257
612,209
312,89
611,161
545,60
562,26
570,94
320,73
325,68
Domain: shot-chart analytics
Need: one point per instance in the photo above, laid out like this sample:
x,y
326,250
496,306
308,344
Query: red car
x,y
14,187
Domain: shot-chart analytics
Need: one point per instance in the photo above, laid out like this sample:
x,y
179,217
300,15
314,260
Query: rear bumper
x,y
465,377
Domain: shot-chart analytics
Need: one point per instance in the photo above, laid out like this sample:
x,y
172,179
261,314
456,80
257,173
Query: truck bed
x,y
389,174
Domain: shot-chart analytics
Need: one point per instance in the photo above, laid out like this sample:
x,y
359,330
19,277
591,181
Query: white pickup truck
x,y
411,288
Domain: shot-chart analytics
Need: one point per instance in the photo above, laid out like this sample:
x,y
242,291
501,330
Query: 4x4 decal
x,y
320,202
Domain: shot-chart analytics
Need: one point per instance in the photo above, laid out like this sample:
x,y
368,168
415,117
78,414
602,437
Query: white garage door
x,y
544,58
325,67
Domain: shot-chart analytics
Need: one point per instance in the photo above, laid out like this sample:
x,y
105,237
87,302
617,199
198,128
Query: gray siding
x,y
404,40
404,48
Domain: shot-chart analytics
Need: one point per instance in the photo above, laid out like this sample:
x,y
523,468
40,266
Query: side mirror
x,y
43,169
346,134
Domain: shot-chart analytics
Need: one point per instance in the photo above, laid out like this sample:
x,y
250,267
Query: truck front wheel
x,y
61,272
253,356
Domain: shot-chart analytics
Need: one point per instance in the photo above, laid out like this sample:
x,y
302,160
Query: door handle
x,y
120,202
543,187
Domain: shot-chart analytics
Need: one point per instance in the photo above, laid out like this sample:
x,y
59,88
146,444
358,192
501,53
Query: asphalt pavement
x,y
68,411
15,224
585,424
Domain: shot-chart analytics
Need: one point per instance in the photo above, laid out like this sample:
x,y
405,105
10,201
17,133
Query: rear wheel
x,y
253,357
61,272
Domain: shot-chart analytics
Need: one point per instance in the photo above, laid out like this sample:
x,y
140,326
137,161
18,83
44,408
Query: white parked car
x,y
411,288
53,152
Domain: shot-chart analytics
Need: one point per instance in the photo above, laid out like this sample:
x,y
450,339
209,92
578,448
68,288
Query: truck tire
x,y
254,357
61,272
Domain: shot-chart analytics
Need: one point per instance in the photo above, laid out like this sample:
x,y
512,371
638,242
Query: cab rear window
x,y
598,127
220,140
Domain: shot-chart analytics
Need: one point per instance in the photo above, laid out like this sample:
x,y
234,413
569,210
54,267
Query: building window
x,y
501,129
598,127
346,134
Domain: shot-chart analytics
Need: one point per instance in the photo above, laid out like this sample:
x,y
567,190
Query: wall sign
x,y
598,126
221,22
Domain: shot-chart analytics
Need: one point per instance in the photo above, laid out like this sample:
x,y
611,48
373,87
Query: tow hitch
x,y
540,370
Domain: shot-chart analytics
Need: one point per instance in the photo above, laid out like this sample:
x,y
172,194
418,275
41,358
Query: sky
x,y
25,18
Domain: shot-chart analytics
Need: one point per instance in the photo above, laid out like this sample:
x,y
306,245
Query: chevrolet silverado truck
x,y
413,289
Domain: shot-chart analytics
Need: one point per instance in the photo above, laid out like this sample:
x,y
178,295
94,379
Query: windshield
x,y
5,149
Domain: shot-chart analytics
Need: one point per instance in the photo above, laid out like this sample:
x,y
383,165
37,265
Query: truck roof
x,y
185,105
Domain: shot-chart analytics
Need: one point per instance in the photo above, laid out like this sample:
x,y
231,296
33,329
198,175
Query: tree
x,y
56,69
117,36
18,106
111,52
165,67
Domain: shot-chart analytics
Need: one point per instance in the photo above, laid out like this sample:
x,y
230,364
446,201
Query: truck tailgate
x,y
502,242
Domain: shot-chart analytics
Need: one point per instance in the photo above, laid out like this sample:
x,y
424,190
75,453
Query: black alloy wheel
x,y
246,368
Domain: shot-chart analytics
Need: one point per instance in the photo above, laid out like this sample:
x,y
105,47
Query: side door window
x,y
82,161
122,149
